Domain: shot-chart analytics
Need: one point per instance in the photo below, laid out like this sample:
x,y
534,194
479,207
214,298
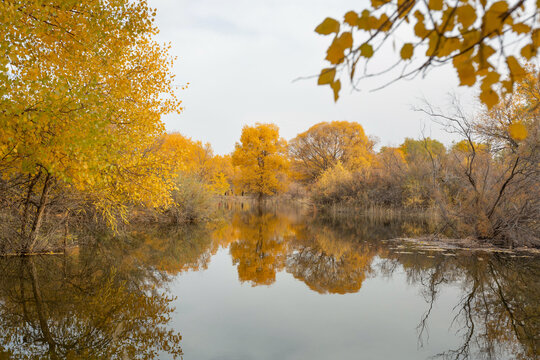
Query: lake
x,y
274,283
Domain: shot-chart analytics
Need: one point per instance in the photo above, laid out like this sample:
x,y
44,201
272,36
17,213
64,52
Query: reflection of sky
x,y
220,318
240,58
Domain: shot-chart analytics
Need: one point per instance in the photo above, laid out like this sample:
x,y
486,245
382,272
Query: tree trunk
x,y
260,203
42,317
33,236
24,218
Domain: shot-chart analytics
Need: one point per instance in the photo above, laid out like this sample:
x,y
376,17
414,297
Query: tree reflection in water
x,y
498,314
106,302
111,301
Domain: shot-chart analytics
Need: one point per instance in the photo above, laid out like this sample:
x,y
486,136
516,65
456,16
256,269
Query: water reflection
x,y
117,297
330,255
106,302
497,315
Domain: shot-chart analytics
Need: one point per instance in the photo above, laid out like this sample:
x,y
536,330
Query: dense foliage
x,y
83,88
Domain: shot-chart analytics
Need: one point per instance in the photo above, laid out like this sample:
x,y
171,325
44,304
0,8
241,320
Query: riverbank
x,y
431,243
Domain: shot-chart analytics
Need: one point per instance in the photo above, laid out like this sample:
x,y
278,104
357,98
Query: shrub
x,y
192,200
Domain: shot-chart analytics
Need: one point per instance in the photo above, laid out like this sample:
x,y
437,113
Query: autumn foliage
x,y
262,160
475,36
325,144
84,87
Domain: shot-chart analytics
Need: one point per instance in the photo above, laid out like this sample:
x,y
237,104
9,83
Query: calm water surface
x,y
272,284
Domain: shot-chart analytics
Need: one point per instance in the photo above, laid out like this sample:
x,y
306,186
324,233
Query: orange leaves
x,y
327,77
335,55
322,145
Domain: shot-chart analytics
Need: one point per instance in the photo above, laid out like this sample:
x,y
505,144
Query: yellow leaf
x,y
517,131
407,51
378,3
535,37
449,45
490,79
327,76
466,71
521,28
489,97
327,27
351,18
335,53
366,50
493,18
528,52
499,7
420,29
384,23
481,58
434,44
436,5
516,71
466,15
336,87
508,85
346,40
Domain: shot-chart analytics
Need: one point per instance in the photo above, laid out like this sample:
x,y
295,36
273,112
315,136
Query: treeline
x,y
485,185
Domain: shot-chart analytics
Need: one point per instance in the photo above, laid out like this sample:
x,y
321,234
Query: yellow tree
x,y
324,144
83,88
474,35
222,175
261,159
198,160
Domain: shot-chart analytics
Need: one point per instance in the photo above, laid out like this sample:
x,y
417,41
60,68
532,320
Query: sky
x,y
241,58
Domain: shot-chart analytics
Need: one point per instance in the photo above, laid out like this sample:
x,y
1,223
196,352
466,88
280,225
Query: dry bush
x,y
192,201
489,186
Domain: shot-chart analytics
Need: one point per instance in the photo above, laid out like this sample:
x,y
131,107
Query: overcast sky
x,y
240,59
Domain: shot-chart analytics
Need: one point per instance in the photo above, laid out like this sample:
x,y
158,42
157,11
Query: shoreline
x,y
467,244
